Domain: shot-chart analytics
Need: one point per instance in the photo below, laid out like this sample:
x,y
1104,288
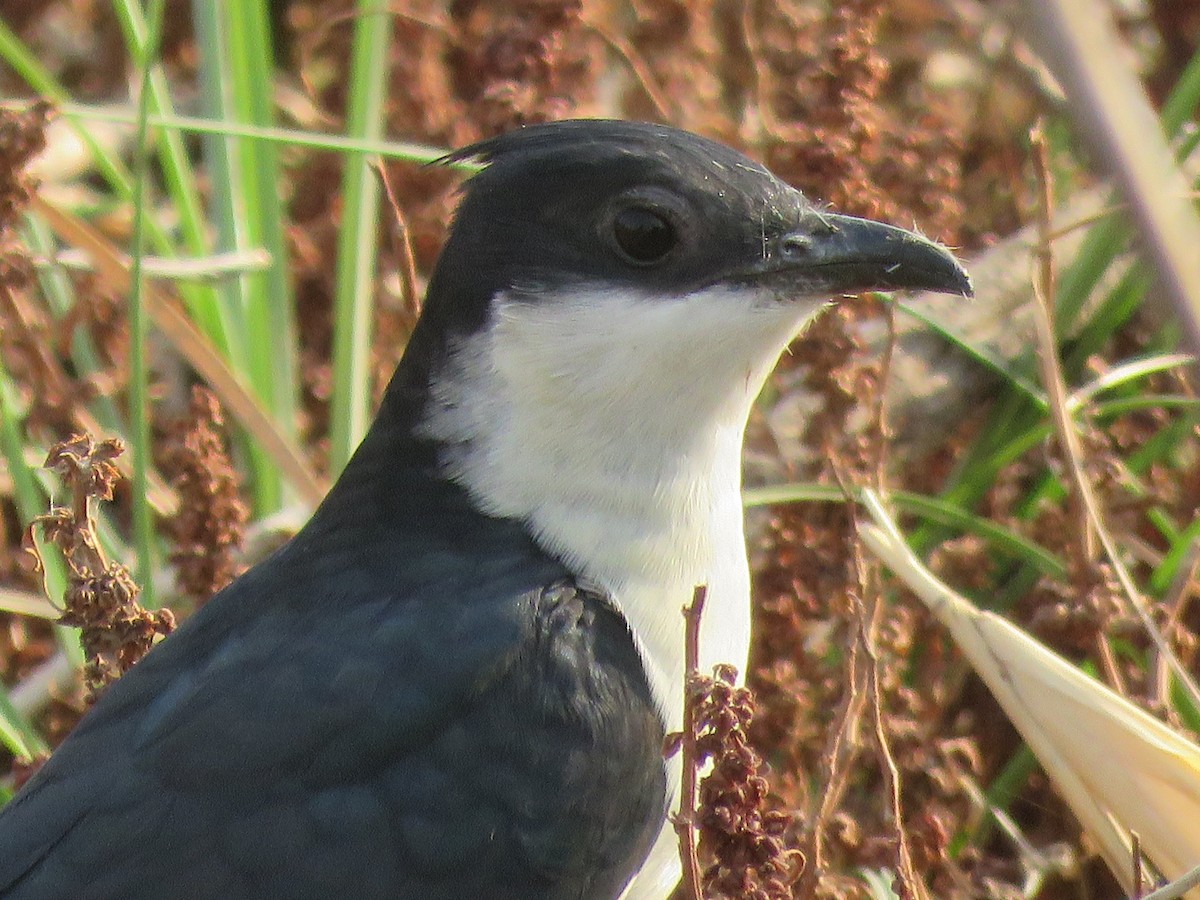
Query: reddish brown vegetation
x,y
101,597
210,525
834,98
743,838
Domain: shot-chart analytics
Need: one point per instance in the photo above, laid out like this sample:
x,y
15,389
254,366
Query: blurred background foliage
x,y
280,225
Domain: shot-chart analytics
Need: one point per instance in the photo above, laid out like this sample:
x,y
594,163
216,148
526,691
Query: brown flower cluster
x,y
210,525
101,597
520,62
22,137
744,840
23,336
32,339
823,81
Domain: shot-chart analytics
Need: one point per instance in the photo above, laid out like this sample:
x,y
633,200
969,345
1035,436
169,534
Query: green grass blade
x,y
271,313
1018,382
16,733
420,154
1123,374
239,213
207,305
1180,106
227,204
139,389
358,237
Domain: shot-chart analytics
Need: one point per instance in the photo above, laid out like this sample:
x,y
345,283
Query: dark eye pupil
x,y
642,234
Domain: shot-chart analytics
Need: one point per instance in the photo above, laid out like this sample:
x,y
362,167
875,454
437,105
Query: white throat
x,y
612,424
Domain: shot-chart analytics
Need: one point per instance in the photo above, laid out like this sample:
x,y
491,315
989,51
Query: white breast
x,y
613,425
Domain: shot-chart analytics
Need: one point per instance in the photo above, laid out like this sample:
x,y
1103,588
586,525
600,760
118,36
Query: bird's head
x,y
622,274
584,208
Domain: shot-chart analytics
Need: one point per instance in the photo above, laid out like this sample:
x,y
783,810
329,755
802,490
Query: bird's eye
x,y
643,235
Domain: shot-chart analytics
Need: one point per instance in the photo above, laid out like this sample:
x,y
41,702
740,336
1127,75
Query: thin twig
x,y
641,72
840,748
862,668
1083,548
685,819
1175,602
402,244
870,615
908,871
1108,662
1056,393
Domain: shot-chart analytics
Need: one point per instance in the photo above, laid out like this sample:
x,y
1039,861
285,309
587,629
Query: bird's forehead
x,y
587,162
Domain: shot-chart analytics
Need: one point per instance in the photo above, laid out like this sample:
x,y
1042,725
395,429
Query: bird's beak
x,y
838,254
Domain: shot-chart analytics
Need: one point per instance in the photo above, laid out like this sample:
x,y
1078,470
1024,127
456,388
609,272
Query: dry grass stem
x,y
403,248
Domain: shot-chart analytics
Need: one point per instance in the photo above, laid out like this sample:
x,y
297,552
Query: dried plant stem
x,y
867,679
637,65
1175,602
891,773
869,615
403,248
840,749
1043,288
210,269
685,818
1052,378
1108,661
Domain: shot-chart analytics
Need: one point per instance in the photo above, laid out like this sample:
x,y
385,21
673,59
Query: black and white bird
x,y
456,679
